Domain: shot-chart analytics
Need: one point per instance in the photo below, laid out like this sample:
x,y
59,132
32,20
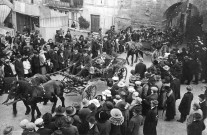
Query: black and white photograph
x,y
103,67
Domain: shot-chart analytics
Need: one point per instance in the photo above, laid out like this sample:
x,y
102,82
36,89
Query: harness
x,y
44,91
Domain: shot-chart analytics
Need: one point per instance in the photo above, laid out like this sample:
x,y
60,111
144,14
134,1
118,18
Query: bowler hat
x,y
59,110
70,110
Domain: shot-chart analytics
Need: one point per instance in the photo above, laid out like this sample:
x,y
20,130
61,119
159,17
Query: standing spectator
x,y
48,123
42,130
19,66
103,123
26,30
92,126
70,129
197,126
203,105
61,60
27,66
135,122
35,63
94,48
8,38
140,68
175,86
116,121
170,104
42,62
151,120
68,37
196,109
7,69
73,25
74,60
185,104
55,59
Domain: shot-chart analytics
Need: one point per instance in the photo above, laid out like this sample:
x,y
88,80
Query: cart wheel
x,y
122,72
90,92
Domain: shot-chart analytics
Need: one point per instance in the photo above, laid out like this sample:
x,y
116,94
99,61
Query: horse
x,y
38,79
32,95
133,48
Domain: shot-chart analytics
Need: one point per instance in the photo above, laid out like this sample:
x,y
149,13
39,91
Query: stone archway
x,y
185,17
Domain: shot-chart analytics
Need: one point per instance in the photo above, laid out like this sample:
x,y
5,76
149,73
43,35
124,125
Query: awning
x,y
8,3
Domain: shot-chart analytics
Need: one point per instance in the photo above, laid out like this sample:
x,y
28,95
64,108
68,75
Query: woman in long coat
x,y
151,119
170,104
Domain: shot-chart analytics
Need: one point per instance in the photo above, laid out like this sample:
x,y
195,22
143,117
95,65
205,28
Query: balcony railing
x,y
55,3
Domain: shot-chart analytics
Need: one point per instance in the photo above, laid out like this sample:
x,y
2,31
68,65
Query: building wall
x,y
107,9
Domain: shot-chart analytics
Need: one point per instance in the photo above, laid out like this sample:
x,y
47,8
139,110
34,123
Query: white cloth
x,y
27,66
13,68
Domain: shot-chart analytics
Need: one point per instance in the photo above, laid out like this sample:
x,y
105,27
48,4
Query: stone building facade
x,y
150,12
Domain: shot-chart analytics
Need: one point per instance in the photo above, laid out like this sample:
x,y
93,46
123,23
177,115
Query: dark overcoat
x,y
185,103
19,68
175,86
140,68
196,128
150,123
203,106
170,106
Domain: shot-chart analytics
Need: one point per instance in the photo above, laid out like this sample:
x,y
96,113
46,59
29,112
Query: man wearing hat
x,y
54,59
59,115
203,105
42,130
18,64
170,104
151,120
75,60
197,126
140,68
135,122
7,69
85,111
86,63
185,104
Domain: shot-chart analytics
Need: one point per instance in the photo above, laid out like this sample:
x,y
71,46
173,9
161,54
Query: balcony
x,y
65,4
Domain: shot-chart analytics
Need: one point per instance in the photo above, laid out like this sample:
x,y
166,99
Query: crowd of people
x,y
121,109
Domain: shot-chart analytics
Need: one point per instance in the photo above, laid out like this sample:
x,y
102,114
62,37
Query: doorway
x,y
95,23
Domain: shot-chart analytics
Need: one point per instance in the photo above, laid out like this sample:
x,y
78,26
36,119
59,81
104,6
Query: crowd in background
x,y
121,109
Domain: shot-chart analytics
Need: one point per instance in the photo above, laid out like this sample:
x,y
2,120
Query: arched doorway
x,y
185,17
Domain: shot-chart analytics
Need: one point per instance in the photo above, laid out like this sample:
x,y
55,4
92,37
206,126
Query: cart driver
x,y
85,65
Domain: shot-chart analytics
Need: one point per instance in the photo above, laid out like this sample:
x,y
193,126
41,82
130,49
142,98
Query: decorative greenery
x,y
84,24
